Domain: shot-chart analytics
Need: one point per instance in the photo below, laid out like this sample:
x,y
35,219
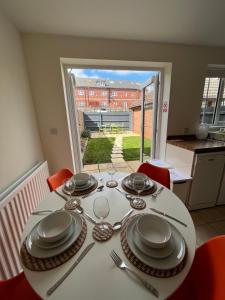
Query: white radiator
x,y
15,209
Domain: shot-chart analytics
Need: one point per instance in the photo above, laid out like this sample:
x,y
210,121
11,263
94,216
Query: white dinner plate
x,y
88,185
38,252
166,263
149,183
44,245
153,252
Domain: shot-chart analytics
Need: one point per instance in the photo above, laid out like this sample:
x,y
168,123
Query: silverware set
x,y
65,275
168,216
123,266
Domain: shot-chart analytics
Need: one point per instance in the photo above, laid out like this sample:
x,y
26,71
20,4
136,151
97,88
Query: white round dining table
x,y
96,277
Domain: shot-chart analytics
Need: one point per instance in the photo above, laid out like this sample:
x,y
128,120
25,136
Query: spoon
x,y
128,196
80,210
118,225
99,189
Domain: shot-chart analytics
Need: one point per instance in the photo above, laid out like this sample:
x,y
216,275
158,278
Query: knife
x,y
168,216
81,256
60,195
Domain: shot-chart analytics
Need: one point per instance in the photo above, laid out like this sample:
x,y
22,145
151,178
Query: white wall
x,y
20,146
43,53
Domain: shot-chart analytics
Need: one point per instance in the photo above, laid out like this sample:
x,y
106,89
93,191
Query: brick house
x,y
98,93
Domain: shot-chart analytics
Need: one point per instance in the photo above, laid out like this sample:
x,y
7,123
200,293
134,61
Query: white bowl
x,y
142,176
81,179
153,231
55,226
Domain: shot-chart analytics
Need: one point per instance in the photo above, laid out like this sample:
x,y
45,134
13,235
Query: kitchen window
x,y
213,102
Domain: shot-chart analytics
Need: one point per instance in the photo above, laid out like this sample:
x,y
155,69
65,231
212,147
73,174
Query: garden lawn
x,y
131,147
98,151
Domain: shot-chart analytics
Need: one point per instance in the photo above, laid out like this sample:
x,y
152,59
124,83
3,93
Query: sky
x,y
137,76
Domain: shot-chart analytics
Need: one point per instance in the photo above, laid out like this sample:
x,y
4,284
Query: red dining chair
x,y
161,175
17,288
206,279
57,179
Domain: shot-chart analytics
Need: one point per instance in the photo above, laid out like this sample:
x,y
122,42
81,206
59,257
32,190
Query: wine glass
x,y
138,184
111,183
69,187
101,210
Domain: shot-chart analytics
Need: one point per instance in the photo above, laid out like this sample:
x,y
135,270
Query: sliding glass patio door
x,y
149,118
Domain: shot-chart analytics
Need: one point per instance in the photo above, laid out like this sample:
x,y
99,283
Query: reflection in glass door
x,y
149,114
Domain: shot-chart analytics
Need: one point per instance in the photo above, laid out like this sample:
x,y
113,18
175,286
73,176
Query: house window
x,y
103,104
91,93
104,93
81,92
82,103
213,102
114,93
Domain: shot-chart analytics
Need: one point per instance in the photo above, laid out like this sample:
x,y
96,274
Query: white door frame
x,y
165,69
73,122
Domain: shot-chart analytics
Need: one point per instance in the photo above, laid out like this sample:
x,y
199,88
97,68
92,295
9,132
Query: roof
x,y
103,83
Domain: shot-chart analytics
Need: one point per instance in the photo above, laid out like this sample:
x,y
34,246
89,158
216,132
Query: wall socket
x,y
53,131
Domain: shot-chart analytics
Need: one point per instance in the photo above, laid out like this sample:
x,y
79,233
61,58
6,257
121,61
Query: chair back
x,y
57,179
161,175
17,288
207,275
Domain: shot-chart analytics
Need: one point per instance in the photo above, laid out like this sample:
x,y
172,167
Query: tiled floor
x,y
209,222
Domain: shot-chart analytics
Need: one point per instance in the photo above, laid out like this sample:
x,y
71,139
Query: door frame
x,y
165,69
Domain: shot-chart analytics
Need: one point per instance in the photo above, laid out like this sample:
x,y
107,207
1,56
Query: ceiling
x,y
192,22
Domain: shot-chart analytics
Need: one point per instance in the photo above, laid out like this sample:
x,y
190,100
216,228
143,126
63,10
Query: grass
x,y
98,151
131,147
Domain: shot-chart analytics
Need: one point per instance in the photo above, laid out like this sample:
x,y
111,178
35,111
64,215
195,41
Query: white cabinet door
x,y
221,198
206,180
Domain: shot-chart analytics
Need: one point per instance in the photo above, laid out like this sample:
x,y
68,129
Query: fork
x,y
123,266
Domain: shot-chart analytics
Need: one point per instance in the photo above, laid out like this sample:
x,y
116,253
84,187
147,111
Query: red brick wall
x,y
97,97
147,124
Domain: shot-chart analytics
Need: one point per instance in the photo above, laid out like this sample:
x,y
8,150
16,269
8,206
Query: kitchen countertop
x,y
198,146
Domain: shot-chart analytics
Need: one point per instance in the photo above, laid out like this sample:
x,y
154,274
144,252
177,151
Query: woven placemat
x,y
111,184
131,191
143,267
87,191
44,264
138,204
100,235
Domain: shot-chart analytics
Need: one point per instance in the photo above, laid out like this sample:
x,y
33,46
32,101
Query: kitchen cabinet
x,y
206,180
205,163
221,197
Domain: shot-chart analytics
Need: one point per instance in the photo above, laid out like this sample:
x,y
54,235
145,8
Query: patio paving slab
x,y
116,155
117,160
92,171
90,167
127,169
117,152
120,164
104,167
